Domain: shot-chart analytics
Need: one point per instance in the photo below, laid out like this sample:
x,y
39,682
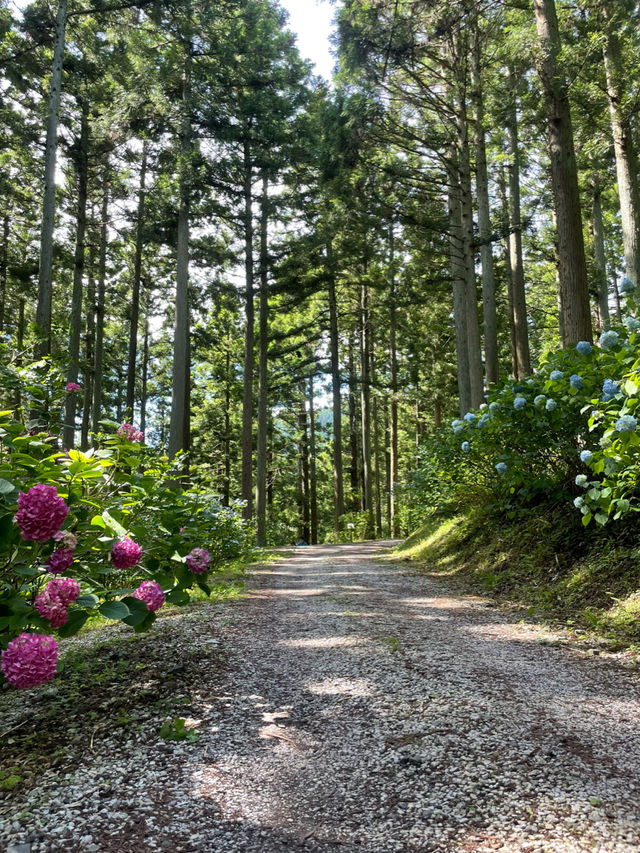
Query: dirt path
x,y
360,708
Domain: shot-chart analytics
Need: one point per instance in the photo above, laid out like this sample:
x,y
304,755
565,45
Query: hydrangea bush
x,y
569,433
104,532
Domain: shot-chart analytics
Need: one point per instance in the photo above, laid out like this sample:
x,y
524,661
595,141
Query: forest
x,y
243,304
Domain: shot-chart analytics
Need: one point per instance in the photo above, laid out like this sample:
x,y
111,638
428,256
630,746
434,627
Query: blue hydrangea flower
x,y
627,286
605,442
457,423
458,430
609,389
627,423
582,480
578,502
576,381
556,375
484,407
539,400
585,456
470,417
482,421
531,382
551,405
632,324
608,340
519,403
494,407
466,447
584,347
501,468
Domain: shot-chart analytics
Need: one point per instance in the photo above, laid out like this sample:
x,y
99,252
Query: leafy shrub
x,y
567,433
104,532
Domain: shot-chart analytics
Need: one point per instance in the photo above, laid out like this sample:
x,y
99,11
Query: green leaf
x,y
601,518
6,487
87,600
114,525
138,611
178,597
114,610
630,388
586,519
74,623
98,521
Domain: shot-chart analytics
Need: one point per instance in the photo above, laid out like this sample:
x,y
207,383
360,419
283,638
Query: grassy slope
x,y
587,578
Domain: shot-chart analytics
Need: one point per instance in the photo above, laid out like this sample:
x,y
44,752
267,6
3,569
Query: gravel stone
x,y
354,707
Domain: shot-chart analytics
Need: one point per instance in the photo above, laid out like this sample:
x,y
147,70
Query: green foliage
x,y
114,490
531,443
176,730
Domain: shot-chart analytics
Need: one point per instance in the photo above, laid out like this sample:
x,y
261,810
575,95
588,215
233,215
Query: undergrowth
x,y
546,561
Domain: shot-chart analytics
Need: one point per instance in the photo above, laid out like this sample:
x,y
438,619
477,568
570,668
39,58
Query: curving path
x,y
362,708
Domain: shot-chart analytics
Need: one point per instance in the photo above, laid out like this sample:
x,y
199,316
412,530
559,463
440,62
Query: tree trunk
x,y
365,402
226,483
376,447
504,205
393,369
313,489
88,371
45,275
626,158
263,378
484,219
247,399
145,375
574,290
336,382
458,276
303,467
354,448
100,301
71,406
599,253
518,294
135,290
178,431
4,268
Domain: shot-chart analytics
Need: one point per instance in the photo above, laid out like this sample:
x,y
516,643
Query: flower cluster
x,y
584,347
576,382
73,386
632,324
501,468
126,553
556,375
585,456
627,286
129,432
30,660
550,405
519,403
198,561
151,593
54,600
60,561
466,447
41,513
627,423
609,390
608,340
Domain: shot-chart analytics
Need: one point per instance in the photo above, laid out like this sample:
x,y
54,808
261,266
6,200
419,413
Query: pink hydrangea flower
x,y
30,660
66,589
60,560
41,513
52,608
129,432
53,601
151,593
198,560
126,554
73,386
66,539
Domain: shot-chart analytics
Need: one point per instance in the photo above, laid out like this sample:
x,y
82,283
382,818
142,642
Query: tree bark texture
x,y
574,290
135,289
263,378
247,398
336,382
45,274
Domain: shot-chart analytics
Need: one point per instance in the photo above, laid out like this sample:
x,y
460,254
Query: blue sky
x,y
311,21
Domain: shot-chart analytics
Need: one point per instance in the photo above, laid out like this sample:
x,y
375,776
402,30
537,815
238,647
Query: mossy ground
x,y
586,578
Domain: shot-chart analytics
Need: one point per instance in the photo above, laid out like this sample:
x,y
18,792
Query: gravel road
x,y
349,705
